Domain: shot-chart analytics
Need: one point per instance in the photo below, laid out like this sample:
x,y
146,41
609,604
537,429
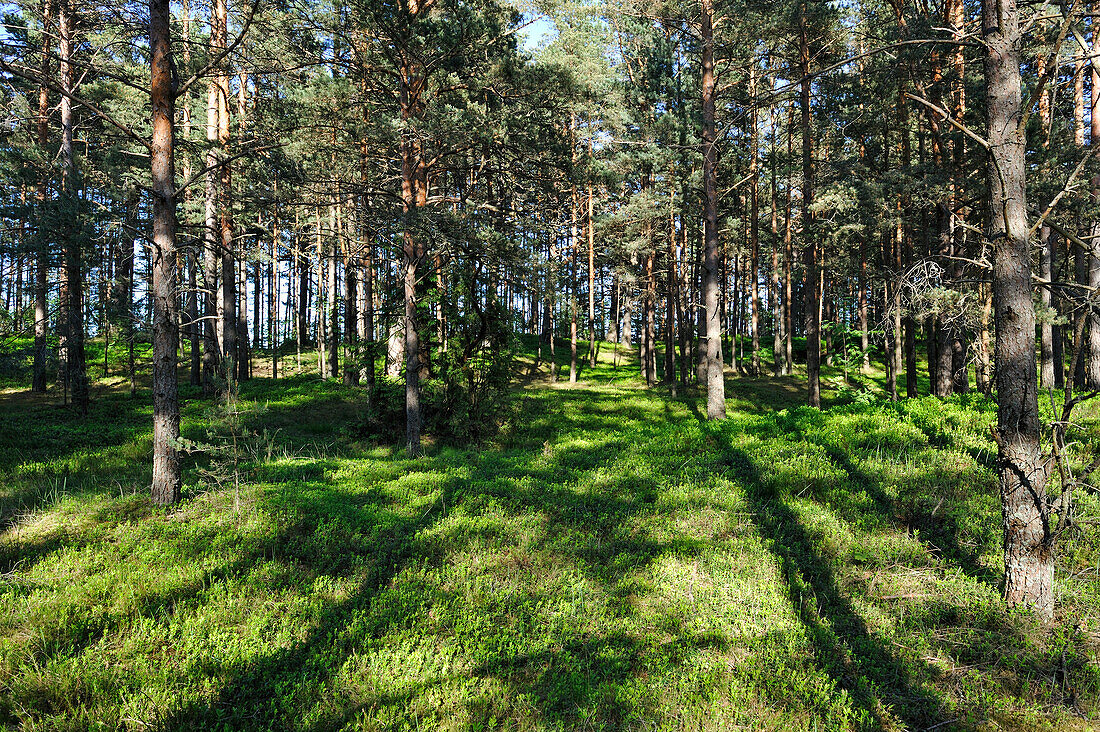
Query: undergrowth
x,y
604,559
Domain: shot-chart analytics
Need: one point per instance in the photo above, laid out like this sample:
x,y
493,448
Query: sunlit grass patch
x,y
608,560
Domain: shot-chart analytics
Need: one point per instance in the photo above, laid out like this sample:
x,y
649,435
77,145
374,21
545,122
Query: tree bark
x,y
351,318
413,196
1029,565
788,259
591,274
42,255
219,24
1046,331
716,387
754,224
812,292
76,368
273,287
166,411
332,339
671,294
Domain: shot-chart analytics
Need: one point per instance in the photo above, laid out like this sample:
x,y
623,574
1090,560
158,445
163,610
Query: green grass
x,y
609,561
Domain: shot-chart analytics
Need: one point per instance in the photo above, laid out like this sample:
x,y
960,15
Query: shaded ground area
x,y
608,561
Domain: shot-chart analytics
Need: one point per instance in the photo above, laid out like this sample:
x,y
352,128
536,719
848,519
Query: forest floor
x,y
608,561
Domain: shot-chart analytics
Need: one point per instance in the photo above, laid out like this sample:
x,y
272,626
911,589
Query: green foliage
x,y
606,561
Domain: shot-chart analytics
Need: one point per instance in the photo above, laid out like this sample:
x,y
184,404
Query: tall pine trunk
x,y
413,196
1028,556
754,224
715,377
591,274
812,291
42,255
76,368
166,409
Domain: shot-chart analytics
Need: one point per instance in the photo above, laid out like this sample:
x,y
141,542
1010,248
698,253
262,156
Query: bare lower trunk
x,y
591,276
812,291
218,39
76,368
368,321
412,355
273,293
166,409
715,378
211,352
754,224
1046,331
672,293
42,255
414,195
351,322
1029,567
332,340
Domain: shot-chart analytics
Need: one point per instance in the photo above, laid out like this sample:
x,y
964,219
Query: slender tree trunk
x,y
273,287
212,322
366,312
1046,332
591,274
218,39
1029,561
74,265
301,304
955,15
649,365
368,319
123,294
211,350
332,341
776,297
411,80
195,329
243,356
166,410
1089,266
192,309
351,319
42,254
1058,259
672,294
716,387
864,335
323,296
788,260
754,223
812,293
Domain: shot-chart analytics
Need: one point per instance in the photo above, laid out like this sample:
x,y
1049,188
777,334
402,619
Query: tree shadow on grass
x,y
587,529
267,692
879,682
938,532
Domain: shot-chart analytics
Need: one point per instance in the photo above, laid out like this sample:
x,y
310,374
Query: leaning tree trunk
x,y
166,408
716,386
1028,556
